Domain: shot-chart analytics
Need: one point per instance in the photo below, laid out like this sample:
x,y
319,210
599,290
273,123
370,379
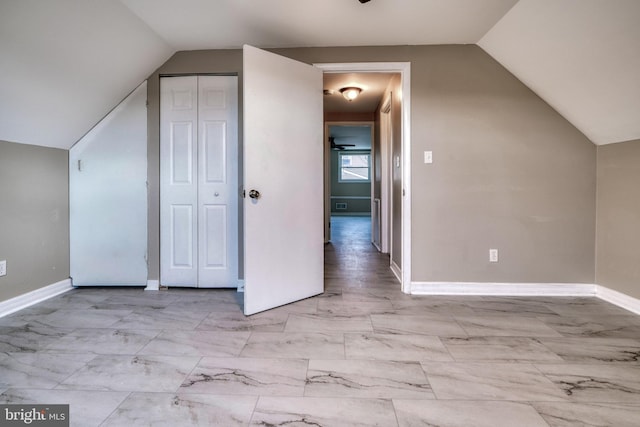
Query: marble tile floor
x,y
361,354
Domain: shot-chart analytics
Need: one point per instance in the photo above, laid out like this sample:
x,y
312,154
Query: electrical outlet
x,y
428,157
493,255
3,267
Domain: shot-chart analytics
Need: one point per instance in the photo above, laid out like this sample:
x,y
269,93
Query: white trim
x,y
386,185
396,271
359,214
105,284
618,298
152,285
351,197
503,289
30,298
406,178
527,289
404,68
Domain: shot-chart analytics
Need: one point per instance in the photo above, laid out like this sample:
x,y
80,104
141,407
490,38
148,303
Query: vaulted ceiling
x,y
64,64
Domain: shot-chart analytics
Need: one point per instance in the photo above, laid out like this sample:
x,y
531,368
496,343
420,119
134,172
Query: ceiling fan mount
x,y
335,146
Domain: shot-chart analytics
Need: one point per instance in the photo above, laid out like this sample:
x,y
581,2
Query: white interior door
x,y
108,198
283,161
198,181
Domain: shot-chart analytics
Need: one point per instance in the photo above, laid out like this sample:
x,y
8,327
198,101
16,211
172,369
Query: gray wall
x,y
34,217
345,189
618,225
508,173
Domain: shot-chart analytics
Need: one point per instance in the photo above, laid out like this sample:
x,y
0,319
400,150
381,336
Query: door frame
x,y
235,201
327,169
404,69
386,166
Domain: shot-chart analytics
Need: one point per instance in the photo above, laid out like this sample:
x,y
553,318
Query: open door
x,y
283,180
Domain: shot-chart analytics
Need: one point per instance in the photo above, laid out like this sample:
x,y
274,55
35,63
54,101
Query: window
x,y
354,167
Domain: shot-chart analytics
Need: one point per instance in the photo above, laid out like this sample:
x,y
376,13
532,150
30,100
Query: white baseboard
x,y
528,289
503,289
618,298
351,214
30,298
152,285
396,270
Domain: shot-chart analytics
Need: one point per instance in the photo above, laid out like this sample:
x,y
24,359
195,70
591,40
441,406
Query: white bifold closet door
x,y
199,181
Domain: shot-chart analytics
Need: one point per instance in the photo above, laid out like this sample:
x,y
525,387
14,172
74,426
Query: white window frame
x,y
354,153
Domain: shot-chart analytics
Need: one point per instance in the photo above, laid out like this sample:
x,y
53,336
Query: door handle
x,y
254,194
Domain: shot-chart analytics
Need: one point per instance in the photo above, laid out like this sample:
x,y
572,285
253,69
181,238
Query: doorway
x,y
390,196
350,168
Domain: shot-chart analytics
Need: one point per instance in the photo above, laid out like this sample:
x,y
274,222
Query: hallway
x,y
352,262
361,354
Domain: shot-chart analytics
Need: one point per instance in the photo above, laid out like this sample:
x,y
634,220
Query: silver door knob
x,y
254,194
216,194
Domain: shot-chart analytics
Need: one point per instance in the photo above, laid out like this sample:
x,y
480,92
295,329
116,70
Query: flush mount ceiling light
x,y
350,93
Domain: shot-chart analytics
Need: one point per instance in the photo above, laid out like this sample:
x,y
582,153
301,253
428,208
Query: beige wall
x,y
34,217
618,213
508,173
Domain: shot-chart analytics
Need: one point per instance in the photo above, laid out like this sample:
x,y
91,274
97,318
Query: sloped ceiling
x,y
581,56
64,64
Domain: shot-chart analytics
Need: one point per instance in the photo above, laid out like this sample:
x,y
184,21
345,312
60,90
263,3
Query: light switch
x,y
428,156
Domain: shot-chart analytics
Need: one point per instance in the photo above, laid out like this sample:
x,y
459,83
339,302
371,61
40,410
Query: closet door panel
x,y
218,189
178,181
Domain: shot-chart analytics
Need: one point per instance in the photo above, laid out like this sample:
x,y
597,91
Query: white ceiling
x,y
65,63
373,86
206,24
